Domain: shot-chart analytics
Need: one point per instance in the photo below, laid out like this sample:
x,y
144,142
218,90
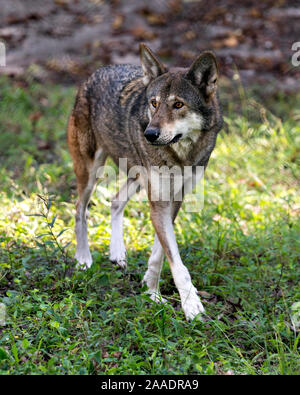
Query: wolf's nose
x,y
151,134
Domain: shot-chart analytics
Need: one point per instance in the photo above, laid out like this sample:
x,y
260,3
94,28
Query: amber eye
x,y
178,104
154,103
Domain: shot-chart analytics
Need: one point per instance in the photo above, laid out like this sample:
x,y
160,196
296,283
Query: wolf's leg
x,y
86,174
152,275
117,247
161,216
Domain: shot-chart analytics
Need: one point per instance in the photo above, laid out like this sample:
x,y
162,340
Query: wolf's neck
x,y
184,146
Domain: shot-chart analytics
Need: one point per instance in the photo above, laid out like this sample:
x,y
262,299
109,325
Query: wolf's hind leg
x,y
152,275
86,173
117,247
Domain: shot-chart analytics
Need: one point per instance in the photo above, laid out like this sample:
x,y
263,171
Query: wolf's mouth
x,y
174,140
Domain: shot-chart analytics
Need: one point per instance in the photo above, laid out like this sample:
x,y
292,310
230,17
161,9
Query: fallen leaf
x,y
118,22
35,116
142,34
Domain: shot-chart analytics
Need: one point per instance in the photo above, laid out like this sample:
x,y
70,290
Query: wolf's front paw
x,y
192,306
84,259
118,256
157,298
120,262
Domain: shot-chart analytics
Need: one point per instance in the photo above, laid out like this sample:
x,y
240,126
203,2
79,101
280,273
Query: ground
x,y
242,249
65,40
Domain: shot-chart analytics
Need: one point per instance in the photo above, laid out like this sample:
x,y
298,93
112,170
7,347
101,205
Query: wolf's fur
x,y
114,110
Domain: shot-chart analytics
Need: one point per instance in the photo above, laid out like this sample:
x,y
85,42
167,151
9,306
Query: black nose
x,y
151,134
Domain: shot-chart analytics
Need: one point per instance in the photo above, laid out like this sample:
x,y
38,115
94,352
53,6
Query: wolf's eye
x,y
154,103
178,104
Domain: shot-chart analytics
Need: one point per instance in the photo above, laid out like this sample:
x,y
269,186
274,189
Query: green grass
x,y
242,250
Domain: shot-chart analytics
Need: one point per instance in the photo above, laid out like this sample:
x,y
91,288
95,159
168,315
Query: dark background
x,y
66,40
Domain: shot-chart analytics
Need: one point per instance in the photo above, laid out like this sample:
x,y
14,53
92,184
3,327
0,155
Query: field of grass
x,y
242,250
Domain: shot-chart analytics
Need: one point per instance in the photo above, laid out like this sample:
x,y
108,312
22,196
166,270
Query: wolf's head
x,y
181,102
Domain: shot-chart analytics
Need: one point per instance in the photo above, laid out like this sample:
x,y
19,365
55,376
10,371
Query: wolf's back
x,y
106,84
105,101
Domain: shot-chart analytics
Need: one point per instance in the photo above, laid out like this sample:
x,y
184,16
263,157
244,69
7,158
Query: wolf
x,y
154,117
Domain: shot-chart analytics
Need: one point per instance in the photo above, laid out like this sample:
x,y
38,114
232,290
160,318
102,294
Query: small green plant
x,y
49,240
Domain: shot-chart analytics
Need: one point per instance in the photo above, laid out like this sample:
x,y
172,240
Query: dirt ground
x,y
65,40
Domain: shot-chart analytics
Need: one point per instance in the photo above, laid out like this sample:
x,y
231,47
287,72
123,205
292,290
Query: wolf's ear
x,y
204,74
152,67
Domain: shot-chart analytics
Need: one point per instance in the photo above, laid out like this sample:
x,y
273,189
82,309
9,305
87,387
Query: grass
x,y
242,250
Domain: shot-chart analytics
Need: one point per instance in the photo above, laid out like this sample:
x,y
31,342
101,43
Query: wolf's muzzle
x,y
152,134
